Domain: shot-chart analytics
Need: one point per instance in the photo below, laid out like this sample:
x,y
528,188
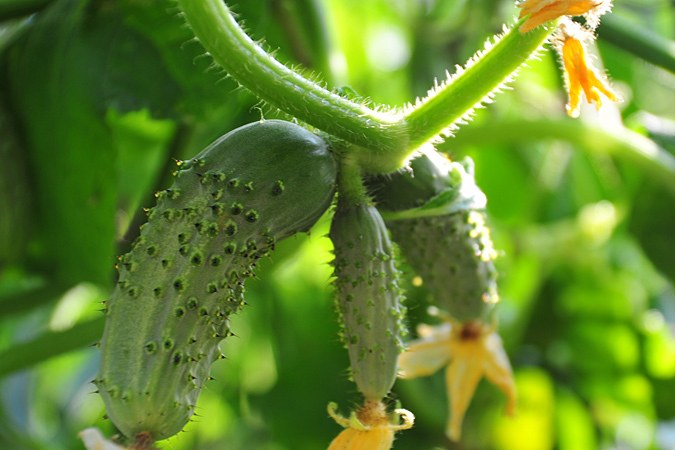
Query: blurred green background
x,y
98,99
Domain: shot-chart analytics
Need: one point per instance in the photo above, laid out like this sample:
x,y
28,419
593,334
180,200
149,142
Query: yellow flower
x,y
542,11
580,76
370,427
468,351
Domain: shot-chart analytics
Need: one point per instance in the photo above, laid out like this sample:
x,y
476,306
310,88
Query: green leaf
x,y
49,344
15,192
49,77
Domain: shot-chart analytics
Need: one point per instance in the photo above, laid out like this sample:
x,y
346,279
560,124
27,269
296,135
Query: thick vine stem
x,y
485,73
247,62
383,140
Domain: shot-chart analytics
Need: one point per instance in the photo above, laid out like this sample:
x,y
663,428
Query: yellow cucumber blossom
x,y
370,427
469,351
580,76
542,11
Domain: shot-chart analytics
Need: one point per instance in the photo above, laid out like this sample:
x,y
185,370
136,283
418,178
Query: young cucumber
x,y
185,274
369,299
440,226
454,256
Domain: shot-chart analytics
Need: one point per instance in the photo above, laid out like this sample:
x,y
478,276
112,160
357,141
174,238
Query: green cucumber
x,y
436,215
185,274
368,297
454,256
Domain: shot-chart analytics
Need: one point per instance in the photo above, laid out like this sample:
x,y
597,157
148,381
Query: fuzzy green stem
x,y
486,72
351,189
620,142
253,68
383,141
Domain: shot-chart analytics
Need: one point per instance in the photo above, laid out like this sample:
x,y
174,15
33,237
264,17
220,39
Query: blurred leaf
x,y
142,145
653,222
15,192
52,97
10,9
602,348
532,427
574,423
50,343
641,42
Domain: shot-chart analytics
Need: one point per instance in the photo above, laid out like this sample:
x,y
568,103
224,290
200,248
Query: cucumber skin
x,y
185,274
369,299
455,256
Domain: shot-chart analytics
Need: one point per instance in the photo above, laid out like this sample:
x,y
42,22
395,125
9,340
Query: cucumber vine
x,y
383,138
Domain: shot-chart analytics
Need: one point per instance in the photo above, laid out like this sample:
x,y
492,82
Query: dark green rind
x,y
185,274
369,299
454,256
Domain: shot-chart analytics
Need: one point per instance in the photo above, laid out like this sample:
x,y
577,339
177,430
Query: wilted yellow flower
x,y
370,427
468,351
542,11
581,76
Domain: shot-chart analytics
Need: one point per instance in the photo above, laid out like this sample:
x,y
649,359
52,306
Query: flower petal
x,y
498,370
94,440
542,11
374,439
581,76
462,377
425,356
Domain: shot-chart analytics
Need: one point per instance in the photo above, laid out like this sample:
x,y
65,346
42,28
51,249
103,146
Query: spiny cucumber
x,y
369,299
454,256
440,226
185,274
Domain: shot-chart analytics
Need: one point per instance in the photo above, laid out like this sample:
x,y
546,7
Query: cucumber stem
x,y
249,64
383,139
351,190
486,72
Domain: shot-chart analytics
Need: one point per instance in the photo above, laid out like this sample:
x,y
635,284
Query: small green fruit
x,y
369,299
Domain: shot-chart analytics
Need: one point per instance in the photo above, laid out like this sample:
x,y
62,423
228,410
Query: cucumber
x,y
454,256
436,214
369,299
185,274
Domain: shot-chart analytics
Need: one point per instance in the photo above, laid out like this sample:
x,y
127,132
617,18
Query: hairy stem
x,y
286,89
382,141
486,72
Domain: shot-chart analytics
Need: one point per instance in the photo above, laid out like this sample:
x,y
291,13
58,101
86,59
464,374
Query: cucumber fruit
x,y
439,222
369,298
185,274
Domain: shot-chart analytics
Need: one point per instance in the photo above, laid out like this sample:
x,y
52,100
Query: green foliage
x,y
98,100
